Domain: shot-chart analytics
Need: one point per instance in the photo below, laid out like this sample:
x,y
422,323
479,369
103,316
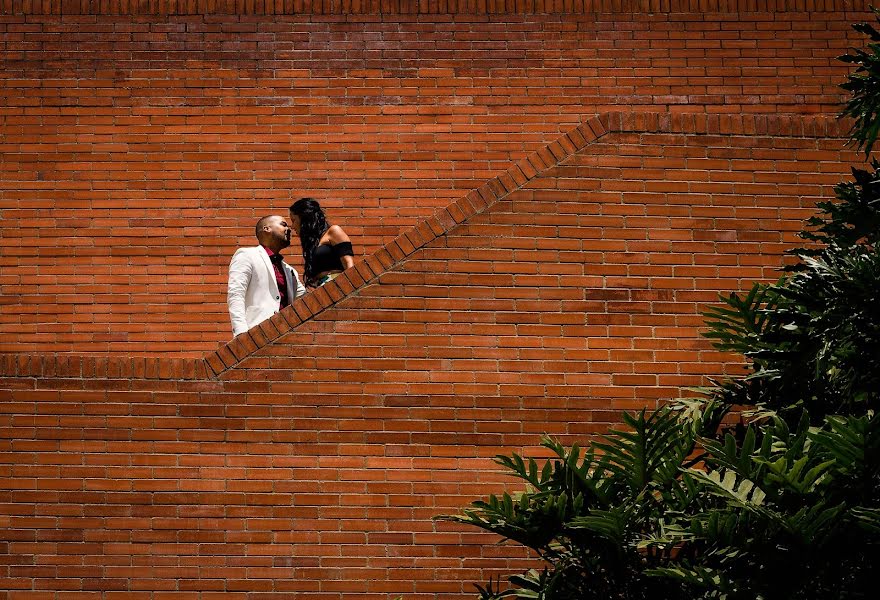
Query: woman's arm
x,y
336,235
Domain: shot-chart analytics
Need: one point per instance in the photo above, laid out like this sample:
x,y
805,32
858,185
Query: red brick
x,y
312,465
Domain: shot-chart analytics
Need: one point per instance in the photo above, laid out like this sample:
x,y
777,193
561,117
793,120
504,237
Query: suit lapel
x,y
288,279
273,285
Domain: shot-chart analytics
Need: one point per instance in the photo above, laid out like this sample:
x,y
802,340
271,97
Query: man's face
x,y
279,230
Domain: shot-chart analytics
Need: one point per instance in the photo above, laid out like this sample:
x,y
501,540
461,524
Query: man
x,y
260,282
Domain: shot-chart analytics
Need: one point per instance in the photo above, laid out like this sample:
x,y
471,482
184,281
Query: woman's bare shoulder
x,y
336,234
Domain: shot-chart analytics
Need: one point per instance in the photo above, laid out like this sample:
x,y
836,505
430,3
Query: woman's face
x,y
295,223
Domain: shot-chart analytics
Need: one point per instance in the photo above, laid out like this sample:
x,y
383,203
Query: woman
x,y
326,249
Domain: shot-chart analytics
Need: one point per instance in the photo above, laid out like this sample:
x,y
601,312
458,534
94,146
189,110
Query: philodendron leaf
x,y
867,518
727,484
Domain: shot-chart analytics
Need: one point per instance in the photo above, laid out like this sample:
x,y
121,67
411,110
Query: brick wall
x,y
138,149
307,458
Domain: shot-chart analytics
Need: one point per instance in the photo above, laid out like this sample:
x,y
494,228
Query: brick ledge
x,y
79,366
413,7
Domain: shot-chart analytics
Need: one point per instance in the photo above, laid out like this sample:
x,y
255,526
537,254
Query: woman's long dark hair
x,y
313,224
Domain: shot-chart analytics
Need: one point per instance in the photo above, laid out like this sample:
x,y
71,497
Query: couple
x,y
261,283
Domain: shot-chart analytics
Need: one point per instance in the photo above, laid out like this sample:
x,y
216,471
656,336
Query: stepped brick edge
x,y
370,268
422,7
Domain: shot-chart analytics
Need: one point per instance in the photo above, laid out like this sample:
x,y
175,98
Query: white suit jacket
x,y
252,294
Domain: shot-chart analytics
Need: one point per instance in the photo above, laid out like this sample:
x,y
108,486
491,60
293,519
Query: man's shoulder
x,y
246,250
243,256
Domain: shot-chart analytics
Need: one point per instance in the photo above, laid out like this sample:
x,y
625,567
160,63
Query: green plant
x,y
812,339
864,86
798,516
854,218
587,513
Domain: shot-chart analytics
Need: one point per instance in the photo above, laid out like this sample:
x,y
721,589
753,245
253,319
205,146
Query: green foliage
x,y
864,86
586,512
783,505
668,511
812,339
853,219
789,504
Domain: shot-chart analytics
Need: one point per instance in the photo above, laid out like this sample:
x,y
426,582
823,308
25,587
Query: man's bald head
x,y
273,232
258,231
